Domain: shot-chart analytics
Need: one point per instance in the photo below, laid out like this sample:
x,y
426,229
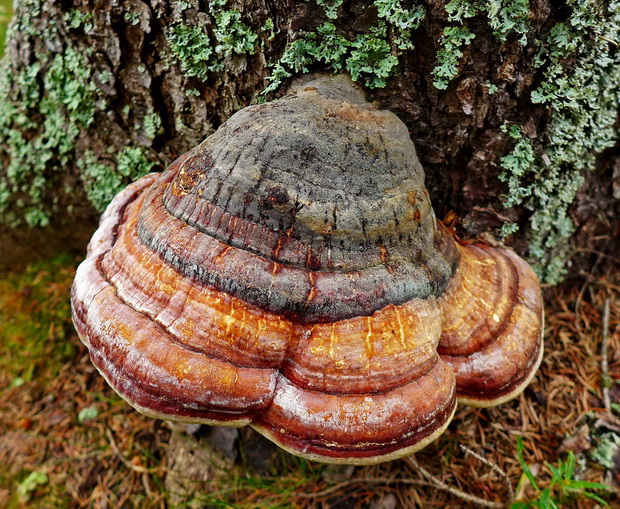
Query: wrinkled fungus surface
x,y
289,274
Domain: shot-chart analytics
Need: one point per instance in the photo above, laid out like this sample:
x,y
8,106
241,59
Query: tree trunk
x,y
512,106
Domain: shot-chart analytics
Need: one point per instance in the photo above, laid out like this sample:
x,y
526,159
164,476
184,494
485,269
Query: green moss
x,y
30,484
35,319
448,57
583,100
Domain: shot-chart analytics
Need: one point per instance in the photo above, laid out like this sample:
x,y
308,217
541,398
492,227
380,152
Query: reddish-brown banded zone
x,y
289,273
180,350
492,333
361,426
295,292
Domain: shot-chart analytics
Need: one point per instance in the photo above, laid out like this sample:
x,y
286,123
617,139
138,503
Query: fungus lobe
x,y
289,274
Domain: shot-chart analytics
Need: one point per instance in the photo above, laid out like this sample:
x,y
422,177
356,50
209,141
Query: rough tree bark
x,y
94,93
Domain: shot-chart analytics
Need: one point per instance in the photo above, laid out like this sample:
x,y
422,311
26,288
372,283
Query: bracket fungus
x,y
289,274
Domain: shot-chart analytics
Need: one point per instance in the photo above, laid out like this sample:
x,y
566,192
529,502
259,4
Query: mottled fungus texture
x,y
289,274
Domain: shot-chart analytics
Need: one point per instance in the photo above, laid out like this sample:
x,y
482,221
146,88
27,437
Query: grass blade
x,y
524,465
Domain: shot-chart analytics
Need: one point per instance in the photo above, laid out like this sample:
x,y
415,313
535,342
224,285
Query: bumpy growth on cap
x,y
289,274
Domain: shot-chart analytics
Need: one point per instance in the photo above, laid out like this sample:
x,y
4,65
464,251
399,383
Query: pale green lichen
x,y
105,77
194,50
65,105
199,55
505,17
450,54
269,29
44,109
131,17
581,76
458,10
584,104
607,450
103,180
152,125
234,36
330,7
506,230
369,58
133,163
519,165
78,19
214,5
401,22
491,87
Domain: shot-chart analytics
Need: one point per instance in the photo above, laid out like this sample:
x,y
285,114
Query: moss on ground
x,y
35,321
